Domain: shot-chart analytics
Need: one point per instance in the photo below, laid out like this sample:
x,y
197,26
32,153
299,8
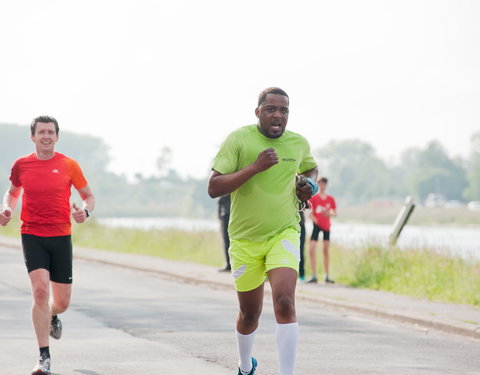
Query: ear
x,y
31,137
257,112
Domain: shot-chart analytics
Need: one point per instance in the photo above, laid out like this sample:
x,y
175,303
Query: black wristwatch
x,y
86,212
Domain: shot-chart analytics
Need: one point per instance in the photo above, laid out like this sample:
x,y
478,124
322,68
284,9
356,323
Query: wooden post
x,y
401,220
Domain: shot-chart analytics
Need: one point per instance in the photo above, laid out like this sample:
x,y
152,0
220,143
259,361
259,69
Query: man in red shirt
x,y
46,178
323,208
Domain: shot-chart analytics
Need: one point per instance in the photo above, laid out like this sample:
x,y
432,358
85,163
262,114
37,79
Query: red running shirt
x,y
320,205
46,193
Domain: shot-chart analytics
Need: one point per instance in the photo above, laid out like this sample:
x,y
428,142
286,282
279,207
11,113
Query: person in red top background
x,y
46,178
323,208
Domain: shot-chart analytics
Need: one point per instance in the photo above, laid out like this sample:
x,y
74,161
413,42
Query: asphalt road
x,y
130,322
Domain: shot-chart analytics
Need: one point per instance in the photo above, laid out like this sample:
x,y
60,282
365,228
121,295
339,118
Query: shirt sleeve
x,y
15,175
226,160
308,162
76,174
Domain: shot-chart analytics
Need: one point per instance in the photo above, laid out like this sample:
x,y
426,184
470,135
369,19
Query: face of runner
x,y
273,115
322,186
45,138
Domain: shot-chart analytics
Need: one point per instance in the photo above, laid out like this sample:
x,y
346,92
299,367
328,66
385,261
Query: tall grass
x,y
424,273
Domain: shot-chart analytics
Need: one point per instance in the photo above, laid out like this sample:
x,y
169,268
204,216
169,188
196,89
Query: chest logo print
x,y
55,171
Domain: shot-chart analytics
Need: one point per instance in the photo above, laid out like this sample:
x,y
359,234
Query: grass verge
x,y
423,273
202,247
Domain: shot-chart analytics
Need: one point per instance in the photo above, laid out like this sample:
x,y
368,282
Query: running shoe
x,y
56,328
43,367
254,366
313,280
329,280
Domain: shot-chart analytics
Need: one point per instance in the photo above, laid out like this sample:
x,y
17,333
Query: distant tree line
x,y
168,195
357,175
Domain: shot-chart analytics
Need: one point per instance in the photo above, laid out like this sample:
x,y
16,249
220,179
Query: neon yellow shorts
x,y
252,260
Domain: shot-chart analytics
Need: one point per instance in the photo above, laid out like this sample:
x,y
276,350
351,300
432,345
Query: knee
x,y
284,307
40,294
250,317
62,304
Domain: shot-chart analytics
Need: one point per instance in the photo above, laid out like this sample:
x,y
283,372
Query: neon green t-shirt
x,y
267,203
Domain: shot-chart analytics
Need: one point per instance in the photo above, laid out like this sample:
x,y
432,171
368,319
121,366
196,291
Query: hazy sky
x,y
184,73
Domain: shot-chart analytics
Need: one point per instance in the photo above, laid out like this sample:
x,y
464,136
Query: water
x,y
457,240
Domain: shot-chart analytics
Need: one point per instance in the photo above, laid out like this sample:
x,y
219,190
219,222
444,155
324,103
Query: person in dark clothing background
x,y
224,216
301,267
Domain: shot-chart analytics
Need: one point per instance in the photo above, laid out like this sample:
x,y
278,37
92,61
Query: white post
x,y
401,219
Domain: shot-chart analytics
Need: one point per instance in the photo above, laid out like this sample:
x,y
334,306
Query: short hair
x,y
323,179
45,119
271,90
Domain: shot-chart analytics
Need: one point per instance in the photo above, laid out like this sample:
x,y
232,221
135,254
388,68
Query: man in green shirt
x,y
258,165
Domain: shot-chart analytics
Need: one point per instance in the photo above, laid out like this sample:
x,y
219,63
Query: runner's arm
x,y
304,193
10,200
223,184
88,198
88,204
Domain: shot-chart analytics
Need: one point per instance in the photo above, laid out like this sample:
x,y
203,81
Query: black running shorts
x,y
51,253
316,231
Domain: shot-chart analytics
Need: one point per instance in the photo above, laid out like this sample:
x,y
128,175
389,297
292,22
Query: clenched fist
x,y
78,214
5,216
266,159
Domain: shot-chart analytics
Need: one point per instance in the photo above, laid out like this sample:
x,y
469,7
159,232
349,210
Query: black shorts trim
x,y
316,231
51,253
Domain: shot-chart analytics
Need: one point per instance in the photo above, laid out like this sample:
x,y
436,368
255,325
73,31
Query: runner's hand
x,y
304,193
78,214
266,159
5,216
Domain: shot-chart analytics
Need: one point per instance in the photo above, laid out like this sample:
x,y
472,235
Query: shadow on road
x,y
87,372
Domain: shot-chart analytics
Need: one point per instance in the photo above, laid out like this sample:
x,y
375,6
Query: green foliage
x,y
357,175
430,170
354,171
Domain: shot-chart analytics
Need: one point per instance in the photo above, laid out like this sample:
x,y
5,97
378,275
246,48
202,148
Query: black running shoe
x,y
313,280
56,328
329,280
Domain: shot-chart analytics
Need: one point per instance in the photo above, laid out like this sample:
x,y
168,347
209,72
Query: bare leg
x,y
283,282
326,256
41,314
251,304
61,294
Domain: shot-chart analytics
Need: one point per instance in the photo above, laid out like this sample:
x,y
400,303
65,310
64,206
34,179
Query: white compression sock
x,y
245,349
287,339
